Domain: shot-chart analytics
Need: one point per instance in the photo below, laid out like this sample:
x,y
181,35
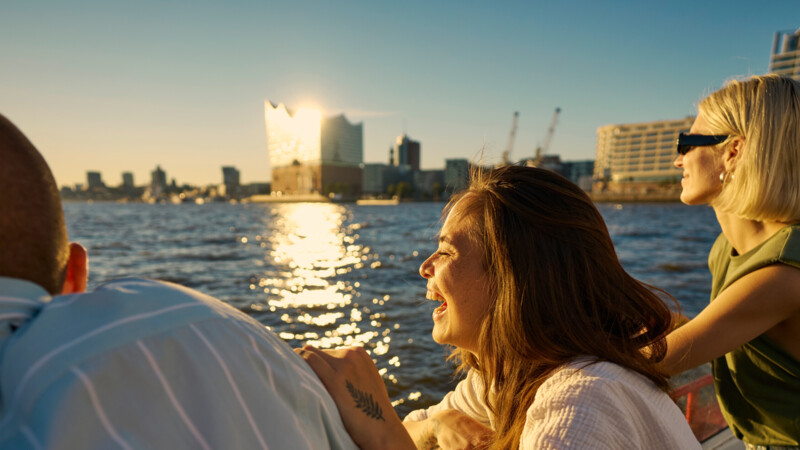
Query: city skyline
x,y
123,88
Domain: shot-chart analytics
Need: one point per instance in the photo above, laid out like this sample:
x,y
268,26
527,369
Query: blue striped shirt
x,y
144,364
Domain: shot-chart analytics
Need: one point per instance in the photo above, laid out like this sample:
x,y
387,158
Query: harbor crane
x,y
542,149
511,136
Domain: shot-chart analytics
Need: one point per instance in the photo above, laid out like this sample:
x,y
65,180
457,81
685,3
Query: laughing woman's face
x,y
456,278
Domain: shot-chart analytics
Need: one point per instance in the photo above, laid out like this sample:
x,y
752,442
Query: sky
x,y
116,86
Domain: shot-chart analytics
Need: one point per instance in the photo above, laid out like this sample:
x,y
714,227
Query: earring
x,y
725,177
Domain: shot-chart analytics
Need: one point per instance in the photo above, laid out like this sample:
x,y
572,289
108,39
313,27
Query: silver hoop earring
x,y
722,177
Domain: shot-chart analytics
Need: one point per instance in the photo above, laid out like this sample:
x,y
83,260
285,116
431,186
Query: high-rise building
x,y
407,151
641,153
785,58
230,178
127,180
308,152
158,182
94,180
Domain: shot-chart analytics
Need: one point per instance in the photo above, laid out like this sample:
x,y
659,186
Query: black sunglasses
x,y
687,141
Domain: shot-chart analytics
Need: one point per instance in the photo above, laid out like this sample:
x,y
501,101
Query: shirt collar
x,y
20,301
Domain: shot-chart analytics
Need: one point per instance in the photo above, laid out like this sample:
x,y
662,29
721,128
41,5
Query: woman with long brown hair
x,y
559,343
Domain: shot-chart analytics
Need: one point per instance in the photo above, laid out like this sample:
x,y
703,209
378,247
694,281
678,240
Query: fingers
x,y
336,357
314,358
332,365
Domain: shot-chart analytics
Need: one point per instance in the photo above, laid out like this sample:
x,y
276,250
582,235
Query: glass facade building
x,y
308,152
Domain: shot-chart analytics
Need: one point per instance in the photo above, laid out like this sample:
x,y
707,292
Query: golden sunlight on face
x,y
702,167
457,279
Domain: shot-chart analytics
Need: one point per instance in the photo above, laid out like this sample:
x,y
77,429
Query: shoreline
x,y
597,197
648,197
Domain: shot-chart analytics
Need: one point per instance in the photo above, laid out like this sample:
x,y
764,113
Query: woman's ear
x,y
77,270
731,155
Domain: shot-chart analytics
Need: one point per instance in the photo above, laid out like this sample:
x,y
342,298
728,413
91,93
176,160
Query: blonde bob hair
x,y
765,111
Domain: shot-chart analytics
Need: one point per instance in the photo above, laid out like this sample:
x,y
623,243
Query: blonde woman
x,y
742,157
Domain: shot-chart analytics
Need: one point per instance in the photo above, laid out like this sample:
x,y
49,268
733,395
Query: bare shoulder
x,y
775,284
763,286
771,294
785,295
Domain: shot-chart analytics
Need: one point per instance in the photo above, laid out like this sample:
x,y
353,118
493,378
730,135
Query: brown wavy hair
x,y
559,291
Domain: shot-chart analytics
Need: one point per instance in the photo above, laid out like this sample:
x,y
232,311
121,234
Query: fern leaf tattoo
x,y
365,402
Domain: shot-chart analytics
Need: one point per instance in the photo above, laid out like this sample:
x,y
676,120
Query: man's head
x,y
33,237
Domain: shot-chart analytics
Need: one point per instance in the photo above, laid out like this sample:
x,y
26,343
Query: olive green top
x,y
758,384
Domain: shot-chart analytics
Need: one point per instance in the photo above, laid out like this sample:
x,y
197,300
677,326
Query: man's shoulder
x,y
75,327
138,296
144,287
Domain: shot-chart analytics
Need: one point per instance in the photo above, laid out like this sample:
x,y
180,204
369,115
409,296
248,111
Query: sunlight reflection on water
x,y
310,241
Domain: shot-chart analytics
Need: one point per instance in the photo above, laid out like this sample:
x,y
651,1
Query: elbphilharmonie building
x,y
311,154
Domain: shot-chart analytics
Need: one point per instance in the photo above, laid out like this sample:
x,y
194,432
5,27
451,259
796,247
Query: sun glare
x,y
307,126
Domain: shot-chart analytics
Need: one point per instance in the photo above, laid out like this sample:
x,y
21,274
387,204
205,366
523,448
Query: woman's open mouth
x,y
430,295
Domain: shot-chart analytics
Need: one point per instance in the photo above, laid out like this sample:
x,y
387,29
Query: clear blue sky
x,y
116,86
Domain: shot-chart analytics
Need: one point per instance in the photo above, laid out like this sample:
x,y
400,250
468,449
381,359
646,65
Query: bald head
x,y
33,237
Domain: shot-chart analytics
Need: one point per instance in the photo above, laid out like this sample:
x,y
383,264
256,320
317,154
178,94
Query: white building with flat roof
x,y
785,58
639,152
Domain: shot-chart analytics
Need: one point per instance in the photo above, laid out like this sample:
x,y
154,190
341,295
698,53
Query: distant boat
x,y
378,201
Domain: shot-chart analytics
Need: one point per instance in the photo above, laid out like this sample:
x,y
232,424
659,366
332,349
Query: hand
x,y
360,395
455,430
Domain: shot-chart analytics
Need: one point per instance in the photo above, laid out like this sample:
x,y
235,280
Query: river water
x,y
342,274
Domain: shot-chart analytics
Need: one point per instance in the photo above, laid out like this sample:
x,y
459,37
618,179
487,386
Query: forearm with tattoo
x,y
365,402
